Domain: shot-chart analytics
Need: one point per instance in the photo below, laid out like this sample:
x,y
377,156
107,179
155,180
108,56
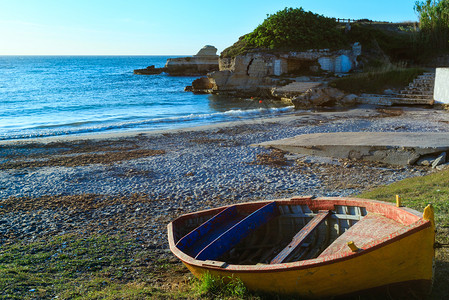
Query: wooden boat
x,y
322,247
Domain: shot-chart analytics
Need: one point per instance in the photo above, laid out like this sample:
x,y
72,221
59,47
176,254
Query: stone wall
x,y
441,89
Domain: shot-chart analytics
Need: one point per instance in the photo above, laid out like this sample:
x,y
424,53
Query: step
x,y
390,100
421,83
417,90
413,101
414,96
425,77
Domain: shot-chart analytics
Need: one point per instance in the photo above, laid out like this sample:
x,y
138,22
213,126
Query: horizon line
x,y
97,54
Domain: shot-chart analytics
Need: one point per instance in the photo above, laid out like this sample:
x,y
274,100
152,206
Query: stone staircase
x,y
419,92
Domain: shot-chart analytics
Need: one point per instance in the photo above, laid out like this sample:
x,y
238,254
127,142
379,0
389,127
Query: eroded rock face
x,y
243,73
191,66
200,86
253,71
205,61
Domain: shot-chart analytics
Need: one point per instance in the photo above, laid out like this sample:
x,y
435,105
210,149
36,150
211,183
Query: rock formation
x,y
150,70
200,86
321,97
251,72
205,61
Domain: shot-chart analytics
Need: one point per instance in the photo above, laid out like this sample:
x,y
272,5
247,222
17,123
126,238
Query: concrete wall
x,y
339,64
441,90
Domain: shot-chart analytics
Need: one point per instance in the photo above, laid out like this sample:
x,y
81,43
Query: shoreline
x,y
148,132
284,118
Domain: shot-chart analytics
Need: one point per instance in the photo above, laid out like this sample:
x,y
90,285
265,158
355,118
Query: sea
x,y
44,96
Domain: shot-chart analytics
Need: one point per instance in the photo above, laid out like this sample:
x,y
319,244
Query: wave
x,y
191,120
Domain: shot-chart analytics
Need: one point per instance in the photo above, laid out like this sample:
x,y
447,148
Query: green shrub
x,y
296,29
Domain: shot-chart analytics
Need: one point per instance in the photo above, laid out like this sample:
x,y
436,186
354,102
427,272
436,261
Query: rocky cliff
x,y
251,72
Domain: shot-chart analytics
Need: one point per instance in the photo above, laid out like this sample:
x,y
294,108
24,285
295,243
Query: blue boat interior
x,y
269,234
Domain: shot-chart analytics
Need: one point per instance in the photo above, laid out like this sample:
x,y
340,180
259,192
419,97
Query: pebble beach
x,y
137,182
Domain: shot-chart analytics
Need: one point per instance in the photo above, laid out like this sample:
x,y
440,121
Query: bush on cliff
x,y
296,29
293,29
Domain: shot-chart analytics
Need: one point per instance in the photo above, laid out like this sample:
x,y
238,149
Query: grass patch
x,y
416,193
117,267
73,267
375,82
216,287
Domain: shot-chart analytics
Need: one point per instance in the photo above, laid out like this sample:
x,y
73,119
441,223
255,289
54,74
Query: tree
x,y
434,22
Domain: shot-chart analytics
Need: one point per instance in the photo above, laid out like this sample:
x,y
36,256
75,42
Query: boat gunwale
x,y
417,225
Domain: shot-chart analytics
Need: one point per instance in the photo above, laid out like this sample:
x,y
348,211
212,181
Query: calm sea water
x,y
44,96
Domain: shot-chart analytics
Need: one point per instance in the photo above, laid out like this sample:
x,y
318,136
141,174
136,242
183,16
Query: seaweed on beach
x,y
275,158
81,159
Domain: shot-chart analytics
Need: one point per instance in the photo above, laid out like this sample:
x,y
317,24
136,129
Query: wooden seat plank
x,y
300,237
370,228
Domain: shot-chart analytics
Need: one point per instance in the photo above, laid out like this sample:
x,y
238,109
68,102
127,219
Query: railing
x,y
340,20
345,20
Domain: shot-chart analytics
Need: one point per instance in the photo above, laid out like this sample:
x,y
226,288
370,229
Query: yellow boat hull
x,y
395,263
403,258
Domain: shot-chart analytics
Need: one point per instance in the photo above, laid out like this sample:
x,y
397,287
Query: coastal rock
x,y
318,97
425,161
293,89
441,159
246,73
207,50
203,62
150,70
350,99
202,83
202,86
442,167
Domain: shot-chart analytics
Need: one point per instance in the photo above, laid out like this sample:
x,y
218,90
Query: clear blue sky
x,y
155,27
